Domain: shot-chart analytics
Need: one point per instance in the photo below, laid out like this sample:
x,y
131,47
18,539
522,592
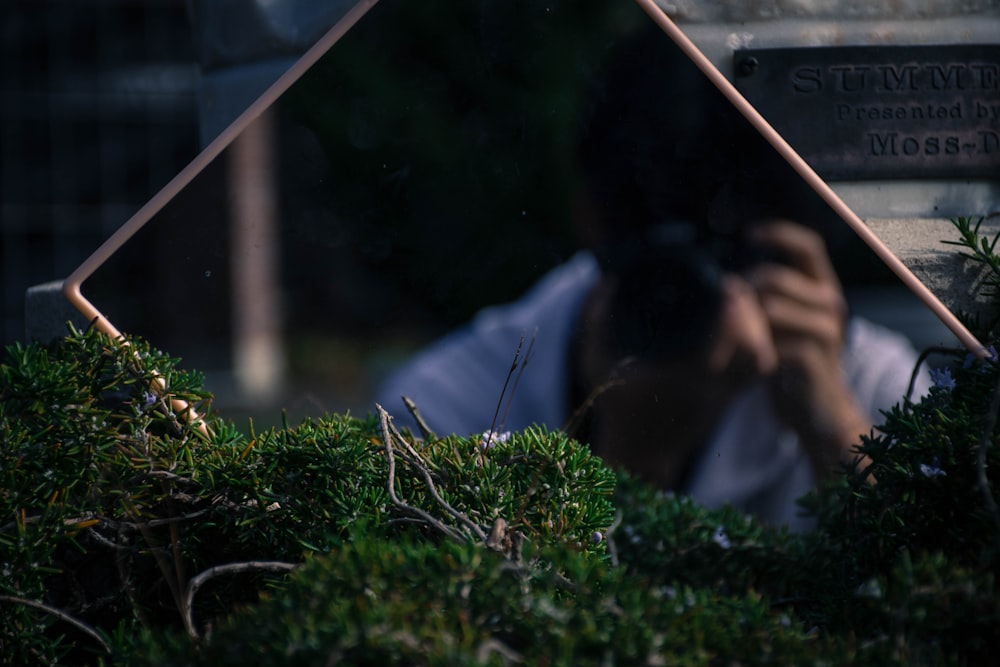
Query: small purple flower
x,y
148,399
934,469
721,538
970,358
942,378
489,439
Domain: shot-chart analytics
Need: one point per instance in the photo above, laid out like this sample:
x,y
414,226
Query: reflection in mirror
x,y
890,102
424,168
868,72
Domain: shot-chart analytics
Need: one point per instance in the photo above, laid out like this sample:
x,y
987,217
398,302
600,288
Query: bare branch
x,y
517,381
162,474
459,516
425,430
172,583
96,535
156,523
61,615
387,437
572,425
493,645
503,390
199,580
609,537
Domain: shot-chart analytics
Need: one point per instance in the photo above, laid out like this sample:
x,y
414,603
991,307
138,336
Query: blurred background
x,y
98,110
473,105
422,170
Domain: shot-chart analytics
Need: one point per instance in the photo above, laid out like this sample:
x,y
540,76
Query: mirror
x,y
898,97
422,168
891,103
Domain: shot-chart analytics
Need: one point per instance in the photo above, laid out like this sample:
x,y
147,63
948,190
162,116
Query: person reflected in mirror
x,y
702,340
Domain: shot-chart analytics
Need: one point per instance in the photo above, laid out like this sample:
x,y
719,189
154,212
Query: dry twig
x,y
199,580
61,615
425,430
387,437
389,434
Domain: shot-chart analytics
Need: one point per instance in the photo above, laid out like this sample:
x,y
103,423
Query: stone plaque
x,y
881,112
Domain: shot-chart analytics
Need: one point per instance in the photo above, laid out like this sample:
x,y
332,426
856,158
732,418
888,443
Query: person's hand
x,y
652,415
805,306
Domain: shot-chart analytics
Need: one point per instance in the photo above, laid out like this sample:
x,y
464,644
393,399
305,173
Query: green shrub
x,y
406,603
131,533
112,502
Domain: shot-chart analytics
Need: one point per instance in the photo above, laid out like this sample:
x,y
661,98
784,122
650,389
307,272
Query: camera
x,y
668,286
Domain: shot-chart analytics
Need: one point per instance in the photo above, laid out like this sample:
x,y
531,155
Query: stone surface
x,y
920,245
718,11
47,313
717,27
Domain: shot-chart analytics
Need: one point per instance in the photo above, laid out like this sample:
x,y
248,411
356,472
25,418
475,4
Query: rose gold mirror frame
x,y
812,178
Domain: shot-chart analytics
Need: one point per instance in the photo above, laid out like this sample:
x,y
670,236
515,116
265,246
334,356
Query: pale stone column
x,y
258,351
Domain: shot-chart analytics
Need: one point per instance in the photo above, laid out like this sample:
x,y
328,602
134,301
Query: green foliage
x,y
675,541
922,545
114,500
137,527
411,604
933,489
981,251
133,535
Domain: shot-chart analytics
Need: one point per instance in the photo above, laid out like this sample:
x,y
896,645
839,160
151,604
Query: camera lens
x,y
666,300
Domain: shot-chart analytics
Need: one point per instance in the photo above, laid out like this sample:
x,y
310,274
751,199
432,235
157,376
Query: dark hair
x,y
676,174
662,143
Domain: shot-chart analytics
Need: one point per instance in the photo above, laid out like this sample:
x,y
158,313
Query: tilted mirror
x,y
895,104
424,167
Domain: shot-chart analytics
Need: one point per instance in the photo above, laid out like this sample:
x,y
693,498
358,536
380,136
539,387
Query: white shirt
x,y
752,461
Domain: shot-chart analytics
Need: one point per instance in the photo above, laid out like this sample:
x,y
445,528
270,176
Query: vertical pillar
x,y
258,354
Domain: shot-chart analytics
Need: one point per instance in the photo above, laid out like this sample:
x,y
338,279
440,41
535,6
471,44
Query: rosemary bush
x,y
131,533
120,514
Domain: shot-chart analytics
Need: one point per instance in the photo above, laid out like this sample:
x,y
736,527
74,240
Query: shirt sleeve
x,y
458,383
879,364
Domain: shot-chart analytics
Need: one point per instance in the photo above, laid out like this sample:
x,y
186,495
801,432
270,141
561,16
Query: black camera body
x,y
668,286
